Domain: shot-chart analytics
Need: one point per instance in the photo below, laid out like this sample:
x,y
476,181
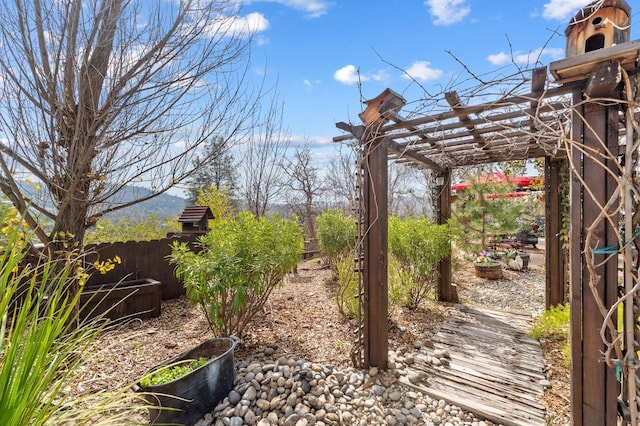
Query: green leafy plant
x,y
347,291
44,347
400,284
554,324
235,267
170,373
218,200
337,235
418,245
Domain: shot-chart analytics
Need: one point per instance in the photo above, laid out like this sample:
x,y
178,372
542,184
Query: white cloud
x,y
562,9
252,23
421,71
447,12
529,58
499,58
311,8
349,74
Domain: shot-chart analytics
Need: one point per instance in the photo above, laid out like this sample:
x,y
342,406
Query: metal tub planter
x,y
186,399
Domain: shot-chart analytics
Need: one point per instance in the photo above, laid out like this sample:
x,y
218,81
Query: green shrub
x,y
336,234
347,288
554,324
44,348
236,266
125,229
399,285
419,246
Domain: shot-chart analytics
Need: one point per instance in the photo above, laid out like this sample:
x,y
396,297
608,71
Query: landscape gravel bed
x,y
522,292
293,392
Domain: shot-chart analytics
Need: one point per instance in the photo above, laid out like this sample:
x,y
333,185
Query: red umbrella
x,y
520,181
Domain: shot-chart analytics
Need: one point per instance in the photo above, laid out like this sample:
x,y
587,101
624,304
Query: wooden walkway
x,y
495,368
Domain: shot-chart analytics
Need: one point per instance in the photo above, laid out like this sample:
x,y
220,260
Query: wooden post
x,y
446,291
554,255
376,332
594,385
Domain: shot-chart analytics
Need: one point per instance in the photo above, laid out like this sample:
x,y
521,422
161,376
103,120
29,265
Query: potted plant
x,y
486,267
184,388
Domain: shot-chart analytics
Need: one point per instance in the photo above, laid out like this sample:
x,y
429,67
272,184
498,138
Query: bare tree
x,y
98,95
341,179
400,181
262,174
304,187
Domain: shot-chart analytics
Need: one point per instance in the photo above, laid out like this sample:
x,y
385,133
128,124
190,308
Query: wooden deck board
x,y
495,368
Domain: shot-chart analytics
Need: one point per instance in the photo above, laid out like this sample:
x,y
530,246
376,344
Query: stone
x,y
373,371
378,390
234,397
263,404
291,420
250,418
250,394
394,395
275,403
291,400
236,421
268,351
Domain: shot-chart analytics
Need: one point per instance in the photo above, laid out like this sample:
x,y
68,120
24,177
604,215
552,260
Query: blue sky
x,y
317,48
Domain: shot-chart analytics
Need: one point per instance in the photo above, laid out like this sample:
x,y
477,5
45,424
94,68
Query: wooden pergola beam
x,y
414,155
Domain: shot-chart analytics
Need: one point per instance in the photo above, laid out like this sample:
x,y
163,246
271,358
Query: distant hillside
x,y
161,206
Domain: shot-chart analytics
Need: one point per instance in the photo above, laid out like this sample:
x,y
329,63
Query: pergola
x,y
582,119
513,127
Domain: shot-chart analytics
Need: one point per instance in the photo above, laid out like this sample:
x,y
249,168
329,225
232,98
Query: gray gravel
x,y
293,392
522,292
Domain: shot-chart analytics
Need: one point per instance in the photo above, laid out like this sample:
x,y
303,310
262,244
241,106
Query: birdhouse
x,y
386,101
600,24
195,219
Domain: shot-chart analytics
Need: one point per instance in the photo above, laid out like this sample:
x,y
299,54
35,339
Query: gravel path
x,y
522,292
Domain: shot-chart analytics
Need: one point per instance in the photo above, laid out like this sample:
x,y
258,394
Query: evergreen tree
x,y
218,171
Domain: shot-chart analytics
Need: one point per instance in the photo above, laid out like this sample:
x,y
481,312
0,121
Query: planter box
x,y
130,299
193,395
490,272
